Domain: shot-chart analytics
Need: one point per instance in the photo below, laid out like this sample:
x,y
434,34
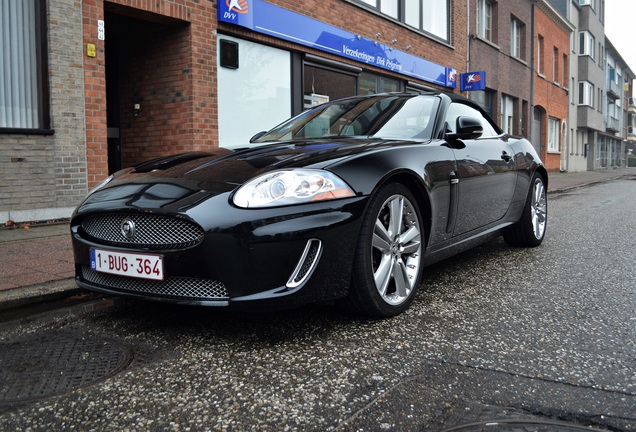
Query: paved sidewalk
x,y
36,262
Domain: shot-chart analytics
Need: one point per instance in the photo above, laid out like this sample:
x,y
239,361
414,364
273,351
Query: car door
x,y
485,176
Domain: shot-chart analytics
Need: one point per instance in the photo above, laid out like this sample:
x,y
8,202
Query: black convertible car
x,y
347,201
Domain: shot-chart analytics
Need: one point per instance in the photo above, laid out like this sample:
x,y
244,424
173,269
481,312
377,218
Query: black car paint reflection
x,y
459,179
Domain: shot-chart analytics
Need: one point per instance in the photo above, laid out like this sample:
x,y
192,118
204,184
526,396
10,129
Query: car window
x,y
399,116
413,120
457,109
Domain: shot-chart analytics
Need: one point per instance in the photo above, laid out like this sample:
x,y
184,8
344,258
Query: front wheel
x,y
388,262
530,229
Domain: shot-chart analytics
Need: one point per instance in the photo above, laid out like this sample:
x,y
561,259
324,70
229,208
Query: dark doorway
x,y
113,103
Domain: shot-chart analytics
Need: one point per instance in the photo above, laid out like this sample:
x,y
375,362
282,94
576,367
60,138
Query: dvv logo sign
x,y
472,81
235,7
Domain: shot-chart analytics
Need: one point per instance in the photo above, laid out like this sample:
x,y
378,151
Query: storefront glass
x,y
256,95
323,85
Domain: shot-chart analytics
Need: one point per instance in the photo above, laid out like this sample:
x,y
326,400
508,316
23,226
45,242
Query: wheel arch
x,y
417,187
544,173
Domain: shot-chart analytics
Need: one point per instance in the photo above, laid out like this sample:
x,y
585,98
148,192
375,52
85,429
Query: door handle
x,y
505,156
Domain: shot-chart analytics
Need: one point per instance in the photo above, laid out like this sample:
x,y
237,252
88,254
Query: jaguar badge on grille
x,y
128,228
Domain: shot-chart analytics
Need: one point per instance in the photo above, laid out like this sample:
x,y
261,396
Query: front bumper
x,y
274,258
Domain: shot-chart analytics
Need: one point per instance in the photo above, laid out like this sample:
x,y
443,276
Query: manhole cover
x,y
57,361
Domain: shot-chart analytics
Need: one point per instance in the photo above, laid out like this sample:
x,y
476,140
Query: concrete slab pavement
x,y
36,260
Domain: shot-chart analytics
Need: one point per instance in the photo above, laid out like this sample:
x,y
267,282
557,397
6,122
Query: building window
x,y
586,93
555,66
369,83
553,134
565,70
516,38
540,55
507,114
23,87
484,98
484,19
430,16
591,3
586,44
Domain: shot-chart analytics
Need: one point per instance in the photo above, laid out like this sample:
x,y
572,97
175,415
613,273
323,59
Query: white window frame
x,y
586,44
515,38
484,19
591,3
554,130
540,43
424,15
586,94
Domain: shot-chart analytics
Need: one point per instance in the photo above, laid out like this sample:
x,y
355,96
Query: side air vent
x,y
306,264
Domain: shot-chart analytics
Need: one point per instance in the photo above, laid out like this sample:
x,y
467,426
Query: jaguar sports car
x,y
346,203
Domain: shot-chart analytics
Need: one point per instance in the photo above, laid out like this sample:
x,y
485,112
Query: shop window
x,y
23,88
369,83
256,94
323,85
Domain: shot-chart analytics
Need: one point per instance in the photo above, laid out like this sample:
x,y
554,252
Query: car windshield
x,y
387,116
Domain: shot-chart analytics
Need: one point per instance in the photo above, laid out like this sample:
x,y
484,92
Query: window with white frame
x,y
554,129
591,3
430,16
586,93
516,29
22,65
540,54
586,43
555,65
484,19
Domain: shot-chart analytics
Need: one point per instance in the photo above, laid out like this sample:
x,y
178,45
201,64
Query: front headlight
x,y
289,187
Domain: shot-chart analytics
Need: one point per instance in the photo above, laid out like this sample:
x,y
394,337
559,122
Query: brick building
x,y
551,84
129,80
507,62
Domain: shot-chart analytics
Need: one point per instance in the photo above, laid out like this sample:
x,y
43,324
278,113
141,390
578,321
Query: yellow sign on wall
x,y
91,51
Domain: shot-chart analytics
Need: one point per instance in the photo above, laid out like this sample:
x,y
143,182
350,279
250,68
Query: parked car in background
x,y
347,202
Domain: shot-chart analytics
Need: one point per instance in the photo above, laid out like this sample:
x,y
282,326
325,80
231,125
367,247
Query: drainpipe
x,y
532,63
468,38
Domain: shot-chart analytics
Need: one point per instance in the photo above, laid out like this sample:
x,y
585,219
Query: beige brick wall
x,y
44,176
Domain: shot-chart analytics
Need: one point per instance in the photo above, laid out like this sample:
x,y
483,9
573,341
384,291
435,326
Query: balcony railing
x,y
614,90
612,124
631,105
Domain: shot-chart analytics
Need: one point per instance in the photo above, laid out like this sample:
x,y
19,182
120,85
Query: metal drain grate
x,y
54,362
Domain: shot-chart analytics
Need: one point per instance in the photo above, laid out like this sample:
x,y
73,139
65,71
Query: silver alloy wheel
x,y
538,209
396,253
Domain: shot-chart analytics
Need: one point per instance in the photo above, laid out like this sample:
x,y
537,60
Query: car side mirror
x,y
257,136
467,128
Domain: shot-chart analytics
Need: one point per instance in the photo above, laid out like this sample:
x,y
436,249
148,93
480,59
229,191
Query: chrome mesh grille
x,y
151,231
178,288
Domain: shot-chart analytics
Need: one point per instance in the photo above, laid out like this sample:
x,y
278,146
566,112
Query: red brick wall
x,y
171,68
95,84
550,92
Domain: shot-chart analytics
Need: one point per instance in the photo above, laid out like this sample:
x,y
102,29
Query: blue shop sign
x,y
265,18
472,81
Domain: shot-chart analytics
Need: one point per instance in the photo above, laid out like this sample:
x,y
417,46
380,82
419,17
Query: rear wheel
x,y
388,263
530,229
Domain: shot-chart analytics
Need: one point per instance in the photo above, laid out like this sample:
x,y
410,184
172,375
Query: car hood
x,y
183,180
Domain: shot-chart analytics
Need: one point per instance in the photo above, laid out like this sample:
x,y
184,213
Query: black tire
x,y
390,247
529,231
